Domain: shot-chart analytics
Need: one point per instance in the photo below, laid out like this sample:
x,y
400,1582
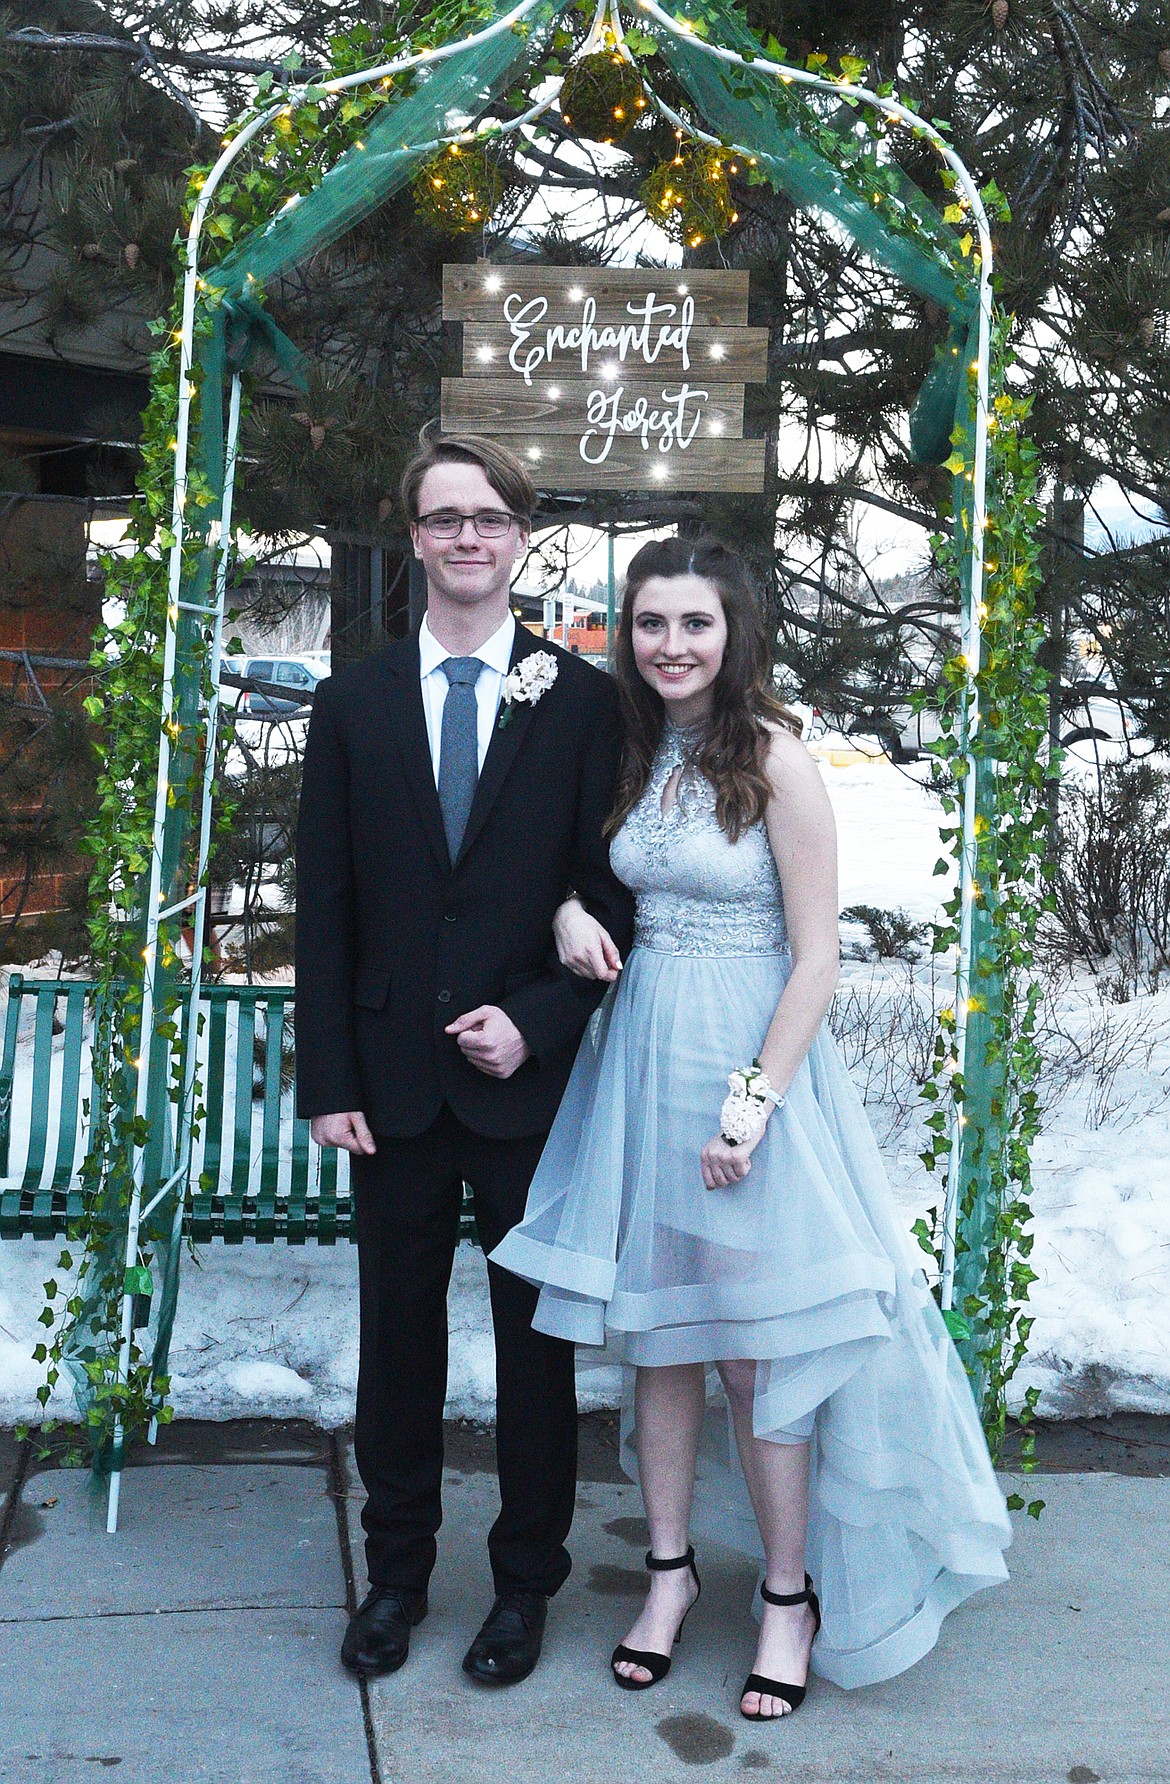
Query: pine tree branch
x,y
32,37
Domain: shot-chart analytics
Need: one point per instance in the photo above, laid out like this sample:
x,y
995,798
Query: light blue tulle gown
x,y
804,1266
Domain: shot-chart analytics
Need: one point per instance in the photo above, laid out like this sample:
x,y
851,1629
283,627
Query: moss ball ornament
x,y
689,196
602,96
458,191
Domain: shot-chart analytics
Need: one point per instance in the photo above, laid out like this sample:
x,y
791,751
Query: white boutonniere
x,y
532,677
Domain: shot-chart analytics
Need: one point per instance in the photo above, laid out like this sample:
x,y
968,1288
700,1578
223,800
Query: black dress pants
x,y
407,1205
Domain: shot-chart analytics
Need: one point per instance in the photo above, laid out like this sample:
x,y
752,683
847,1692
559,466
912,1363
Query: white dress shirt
x,y
495,653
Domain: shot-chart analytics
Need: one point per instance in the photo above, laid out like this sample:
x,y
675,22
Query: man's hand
x,y
347,1131
490,1041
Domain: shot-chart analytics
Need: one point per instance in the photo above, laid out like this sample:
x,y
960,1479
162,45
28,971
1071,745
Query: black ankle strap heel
x,y
657,1665
793,1695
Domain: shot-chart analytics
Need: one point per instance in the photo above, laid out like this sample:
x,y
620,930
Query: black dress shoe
x,y
508,1646
378,1638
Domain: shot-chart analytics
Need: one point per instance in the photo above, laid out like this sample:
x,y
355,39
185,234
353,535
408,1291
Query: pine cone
x,y
386,508
131,254
1163,215
125,164
92,251
1146,331
317,435
1164,61
999,13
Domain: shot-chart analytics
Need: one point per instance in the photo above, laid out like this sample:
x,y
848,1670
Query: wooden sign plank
x,y
577,406
736,355
554,463
478,293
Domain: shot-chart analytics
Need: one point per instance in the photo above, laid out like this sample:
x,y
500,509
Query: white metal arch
x,y
605,16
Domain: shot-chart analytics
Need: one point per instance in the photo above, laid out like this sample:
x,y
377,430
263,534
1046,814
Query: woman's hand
x,y
723,1164
583,944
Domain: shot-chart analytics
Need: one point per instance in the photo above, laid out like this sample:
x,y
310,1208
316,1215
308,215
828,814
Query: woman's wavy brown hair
x,y
733,755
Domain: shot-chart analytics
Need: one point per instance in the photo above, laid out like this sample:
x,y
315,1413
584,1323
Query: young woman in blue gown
x,y
774,1265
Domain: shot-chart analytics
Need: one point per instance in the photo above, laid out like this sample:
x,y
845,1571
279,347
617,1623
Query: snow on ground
x,y
273,1329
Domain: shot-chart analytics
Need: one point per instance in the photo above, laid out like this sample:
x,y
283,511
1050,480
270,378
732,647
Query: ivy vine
x,y
1010,884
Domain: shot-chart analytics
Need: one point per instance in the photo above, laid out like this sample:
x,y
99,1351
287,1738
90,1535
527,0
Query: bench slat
x,y
245,1076
45,998
270,1130
213,1095
70,1089
8,1065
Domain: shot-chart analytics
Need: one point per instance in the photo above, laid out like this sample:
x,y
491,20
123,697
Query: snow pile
x,y
1102,1210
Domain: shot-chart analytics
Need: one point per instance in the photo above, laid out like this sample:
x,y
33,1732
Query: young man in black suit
x,y
455,786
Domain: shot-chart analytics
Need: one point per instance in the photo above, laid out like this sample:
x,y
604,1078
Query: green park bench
x,y
256,1172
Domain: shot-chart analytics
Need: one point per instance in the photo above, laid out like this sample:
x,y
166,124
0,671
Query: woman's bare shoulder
x,y
788,761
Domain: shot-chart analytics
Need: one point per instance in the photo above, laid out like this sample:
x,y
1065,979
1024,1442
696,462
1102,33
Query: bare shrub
x,y
1086,1052
884,1024
1112,882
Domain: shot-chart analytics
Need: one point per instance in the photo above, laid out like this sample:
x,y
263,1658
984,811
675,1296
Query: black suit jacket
x,y
394,940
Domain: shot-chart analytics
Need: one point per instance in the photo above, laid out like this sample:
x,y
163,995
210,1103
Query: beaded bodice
x,y
696,891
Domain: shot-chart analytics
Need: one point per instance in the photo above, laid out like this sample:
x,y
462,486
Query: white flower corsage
x,y
743,1112
532,677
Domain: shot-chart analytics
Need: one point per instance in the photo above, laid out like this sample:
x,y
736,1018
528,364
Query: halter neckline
x,y
684,734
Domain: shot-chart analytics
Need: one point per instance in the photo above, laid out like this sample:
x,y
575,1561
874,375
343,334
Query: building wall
x,y
48,609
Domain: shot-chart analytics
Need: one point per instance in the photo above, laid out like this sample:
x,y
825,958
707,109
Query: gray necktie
x,y
458,747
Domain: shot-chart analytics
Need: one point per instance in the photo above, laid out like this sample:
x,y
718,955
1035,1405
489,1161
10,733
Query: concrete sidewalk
x,y
201,1641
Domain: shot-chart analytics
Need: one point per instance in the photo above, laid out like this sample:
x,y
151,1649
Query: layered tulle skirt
x,y
803,1266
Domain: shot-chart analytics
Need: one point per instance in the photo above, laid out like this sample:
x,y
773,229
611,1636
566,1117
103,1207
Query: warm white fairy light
x,y
574,294
483,354
493,283
682,290
554,393
716,427
718,350
659,472
609,372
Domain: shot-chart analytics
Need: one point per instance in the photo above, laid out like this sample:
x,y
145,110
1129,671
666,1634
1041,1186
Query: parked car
x,y
904,735
299,674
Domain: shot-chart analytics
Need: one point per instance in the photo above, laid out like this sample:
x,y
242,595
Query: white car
x,y
1100,727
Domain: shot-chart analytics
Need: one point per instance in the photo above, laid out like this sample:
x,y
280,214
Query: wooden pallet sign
x,y
608,377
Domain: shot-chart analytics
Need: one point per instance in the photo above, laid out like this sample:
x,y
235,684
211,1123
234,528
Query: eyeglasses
x,y
447,523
